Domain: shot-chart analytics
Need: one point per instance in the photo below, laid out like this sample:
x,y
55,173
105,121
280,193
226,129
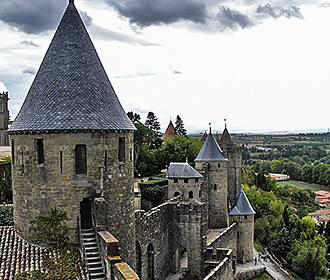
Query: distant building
x,y
279,177
170,131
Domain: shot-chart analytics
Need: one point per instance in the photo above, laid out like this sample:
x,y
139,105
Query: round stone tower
x,y
212,161
72,142
243,215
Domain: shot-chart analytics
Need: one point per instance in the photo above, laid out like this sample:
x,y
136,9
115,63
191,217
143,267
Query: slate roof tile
x,y
182,170
210,151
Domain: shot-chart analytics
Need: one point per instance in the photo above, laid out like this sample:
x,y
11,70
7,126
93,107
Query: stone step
x,y
91,249
87,240
90,244
92,255
93,259
94,264
94,276
88,234
95,270
87,230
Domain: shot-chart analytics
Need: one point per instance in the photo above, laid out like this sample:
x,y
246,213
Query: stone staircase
x,y
92,255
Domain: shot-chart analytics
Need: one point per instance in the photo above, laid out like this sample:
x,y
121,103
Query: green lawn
x,y
302,185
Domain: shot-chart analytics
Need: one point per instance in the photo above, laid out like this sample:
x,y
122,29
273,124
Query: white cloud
x,y
3,87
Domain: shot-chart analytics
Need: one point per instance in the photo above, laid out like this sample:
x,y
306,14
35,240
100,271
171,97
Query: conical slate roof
x,y
71,91
182,170
225,138
243,206
210,150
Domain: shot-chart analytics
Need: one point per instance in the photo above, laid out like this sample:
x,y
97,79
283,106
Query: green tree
x,y
153,124
308,258
179,126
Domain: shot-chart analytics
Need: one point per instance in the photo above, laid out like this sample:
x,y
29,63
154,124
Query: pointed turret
x,y
71,91
226,138
210,151
170,131
242,207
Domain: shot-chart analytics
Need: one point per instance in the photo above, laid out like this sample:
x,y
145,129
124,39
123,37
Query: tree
x,y
153,124
308,258
179,126
134,117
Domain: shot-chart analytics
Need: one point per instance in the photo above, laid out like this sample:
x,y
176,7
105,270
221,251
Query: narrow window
x,y
121,149
200,193
22,162
176,194
185,180
218,165
215,187
237,235
196,180
12,151
245,217
191,194
61,162
81,159
105,160
40,151
176,180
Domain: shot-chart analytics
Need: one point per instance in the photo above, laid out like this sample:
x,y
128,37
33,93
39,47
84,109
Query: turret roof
x,y
71,90
182,170
243,206
170,130
210,151
226,138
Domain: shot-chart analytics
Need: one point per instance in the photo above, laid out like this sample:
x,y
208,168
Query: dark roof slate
x,y
226,138
210,150
71,90
182,170
243,206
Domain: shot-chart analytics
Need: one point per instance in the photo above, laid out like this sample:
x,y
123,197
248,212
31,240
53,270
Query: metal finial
x,y
225,123
71,2
210,127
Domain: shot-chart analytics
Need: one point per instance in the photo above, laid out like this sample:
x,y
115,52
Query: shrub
x,y
6,216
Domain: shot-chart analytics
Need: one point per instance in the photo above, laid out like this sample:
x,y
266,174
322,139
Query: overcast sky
x,y
263,65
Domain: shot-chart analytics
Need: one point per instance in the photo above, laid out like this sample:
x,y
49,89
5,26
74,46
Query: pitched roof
x,y
18,255
71,90
170,130
210,150
243,206
204,137
225,138
182,170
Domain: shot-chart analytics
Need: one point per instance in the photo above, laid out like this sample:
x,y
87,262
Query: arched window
x,y
81,159
40,151
176,194
151,262
138,260
191,194
121,149
215,187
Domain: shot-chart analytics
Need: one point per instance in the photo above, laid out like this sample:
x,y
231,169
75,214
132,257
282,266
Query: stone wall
x,y
245,237
38,187
218,195
227,239
234,155
185,188
4,138
167,227
223,271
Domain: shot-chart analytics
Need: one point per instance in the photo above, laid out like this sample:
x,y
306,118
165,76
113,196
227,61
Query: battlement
x,y
224,237
4,94
223,270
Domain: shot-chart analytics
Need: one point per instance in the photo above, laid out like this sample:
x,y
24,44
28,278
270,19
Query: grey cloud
x,y
150,12
231,18
276,11
177,72
29,44
106,34
35,16
29,71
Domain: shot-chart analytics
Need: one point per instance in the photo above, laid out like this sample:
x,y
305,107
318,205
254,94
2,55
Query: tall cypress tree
x,y
153,124
179,126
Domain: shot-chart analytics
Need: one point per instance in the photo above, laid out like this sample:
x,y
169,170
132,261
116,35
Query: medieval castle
x,y
72,147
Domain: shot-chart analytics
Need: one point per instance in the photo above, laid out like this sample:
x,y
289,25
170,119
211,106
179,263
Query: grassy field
x,y
303,185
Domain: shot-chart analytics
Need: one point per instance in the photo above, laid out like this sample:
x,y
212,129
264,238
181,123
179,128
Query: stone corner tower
x,y
4,119
233,153
72,142
214,164
243,215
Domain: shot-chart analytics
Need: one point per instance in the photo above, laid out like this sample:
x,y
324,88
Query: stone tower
x,y
4,119
243,215
212,161
73,143
234,155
